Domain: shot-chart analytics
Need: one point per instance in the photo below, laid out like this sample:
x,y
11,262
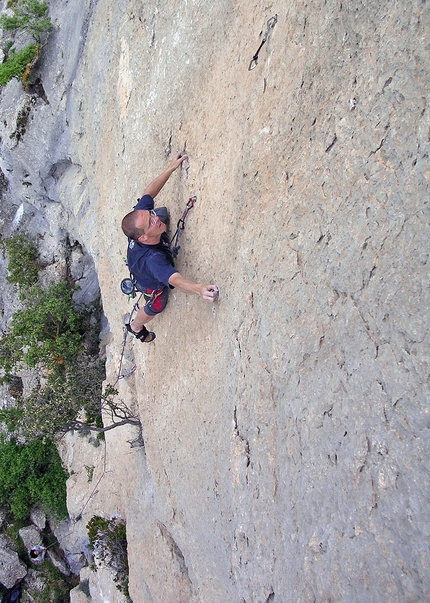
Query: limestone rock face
x,y
78,594
285,427
12,570
30,536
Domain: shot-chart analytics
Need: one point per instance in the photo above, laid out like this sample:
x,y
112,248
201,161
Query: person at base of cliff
x,y
150,259
37,553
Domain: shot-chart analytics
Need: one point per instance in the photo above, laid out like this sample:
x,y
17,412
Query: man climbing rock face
x,y
150,259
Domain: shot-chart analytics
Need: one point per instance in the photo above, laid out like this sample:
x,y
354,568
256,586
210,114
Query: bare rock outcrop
x,y
59,562
12,570
30,536
81,593
38,517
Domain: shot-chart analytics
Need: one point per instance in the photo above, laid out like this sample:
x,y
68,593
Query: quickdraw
x,y
270,25
181,225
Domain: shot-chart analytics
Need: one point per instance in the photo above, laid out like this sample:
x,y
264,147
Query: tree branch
x,y
77,425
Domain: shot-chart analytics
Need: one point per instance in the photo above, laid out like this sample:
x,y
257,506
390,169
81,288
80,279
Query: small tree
x,y
74,402
61,342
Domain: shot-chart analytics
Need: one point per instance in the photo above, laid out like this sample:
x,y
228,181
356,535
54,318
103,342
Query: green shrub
x,y
108,540
62,343
32,474
23,261
16,63
48,331
28,15
57,586
32,17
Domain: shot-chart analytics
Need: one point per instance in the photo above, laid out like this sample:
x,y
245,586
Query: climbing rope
x,y
121,375
270,25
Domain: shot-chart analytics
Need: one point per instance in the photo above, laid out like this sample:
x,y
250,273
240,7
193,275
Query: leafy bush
x,y
32,474
16,63
32,17
53,336
23,261
28,15
48,331
108,540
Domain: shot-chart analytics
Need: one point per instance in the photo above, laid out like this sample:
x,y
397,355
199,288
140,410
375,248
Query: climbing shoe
x,y
144,335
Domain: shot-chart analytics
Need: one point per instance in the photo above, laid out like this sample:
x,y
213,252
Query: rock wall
x,y
286,427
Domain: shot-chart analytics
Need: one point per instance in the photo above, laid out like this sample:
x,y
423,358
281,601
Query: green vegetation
x,y
90,472
52,335
16,63
52,410
31,474
29,16
23,115
60,341
108,540
48,332
57,586
23,261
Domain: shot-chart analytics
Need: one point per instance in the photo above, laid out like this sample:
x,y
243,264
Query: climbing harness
x,y
181,225
270,25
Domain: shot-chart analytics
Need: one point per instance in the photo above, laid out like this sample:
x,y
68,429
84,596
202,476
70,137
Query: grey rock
x,y
80,594
74,544
58,561
30,536
34,583
38,517
12,570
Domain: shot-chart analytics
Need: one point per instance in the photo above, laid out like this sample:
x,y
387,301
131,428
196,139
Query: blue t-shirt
x,y
150,265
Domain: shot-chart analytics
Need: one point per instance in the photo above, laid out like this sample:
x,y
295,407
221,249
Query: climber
x,y
150,259
37,553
